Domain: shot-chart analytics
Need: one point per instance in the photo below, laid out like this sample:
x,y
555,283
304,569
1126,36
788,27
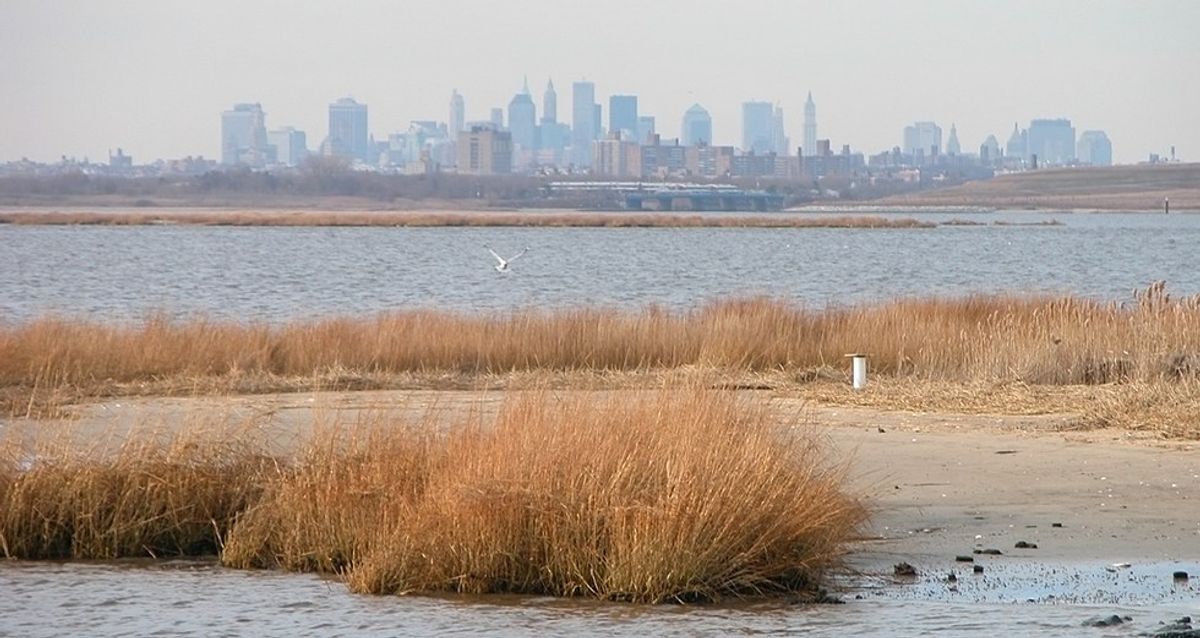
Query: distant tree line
x,y
322,176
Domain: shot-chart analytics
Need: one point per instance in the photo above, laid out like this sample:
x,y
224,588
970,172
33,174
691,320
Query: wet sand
x,y
939,485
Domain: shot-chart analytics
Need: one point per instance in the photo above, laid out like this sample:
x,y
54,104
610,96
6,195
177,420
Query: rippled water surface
x,y
281,273
201,599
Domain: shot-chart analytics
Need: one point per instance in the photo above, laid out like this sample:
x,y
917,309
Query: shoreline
x,y
939,485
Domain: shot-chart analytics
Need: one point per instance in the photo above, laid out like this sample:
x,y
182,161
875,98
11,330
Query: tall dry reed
x,y
152,492
675,495
683,494
1035,340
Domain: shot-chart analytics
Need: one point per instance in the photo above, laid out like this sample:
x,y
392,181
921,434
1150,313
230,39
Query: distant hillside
x,y
1106,188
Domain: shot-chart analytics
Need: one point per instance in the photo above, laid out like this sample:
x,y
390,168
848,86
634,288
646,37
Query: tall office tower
x,y
244,136
697,127
348,129
952,145
583,122
1053,141
522,122
497,117
758,134
989,151
291,146
457,114
623,116
923,138
1094,148
645,128
810,126
779,141
1018,143
550,104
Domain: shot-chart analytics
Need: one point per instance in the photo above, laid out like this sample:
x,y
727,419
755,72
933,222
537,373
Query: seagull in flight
x,y
502,264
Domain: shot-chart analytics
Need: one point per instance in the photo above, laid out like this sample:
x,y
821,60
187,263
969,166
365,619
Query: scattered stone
x,y
1025,545
964,559
992,552
1181,628
1180,576
1055,524
904,569
1106,621
881,430
952,578
1006,451
978,569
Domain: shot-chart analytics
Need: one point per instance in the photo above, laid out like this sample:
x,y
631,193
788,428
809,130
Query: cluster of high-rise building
x,y
629,144
1045,142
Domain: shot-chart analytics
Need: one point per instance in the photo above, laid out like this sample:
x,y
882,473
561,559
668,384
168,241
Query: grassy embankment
x,y
1098,188
686,495
436,219
1135,364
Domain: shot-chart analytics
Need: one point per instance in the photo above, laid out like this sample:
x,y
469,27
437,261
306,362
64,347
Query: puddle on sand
x,y
199,598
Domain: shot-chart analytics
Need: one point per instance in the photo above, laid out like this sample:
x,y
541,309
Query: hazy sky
x,y
152,76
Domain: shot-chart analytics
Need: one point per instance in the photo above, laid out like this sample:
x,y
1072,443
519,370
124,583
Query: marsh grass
x,y
149,492
684,494
442,219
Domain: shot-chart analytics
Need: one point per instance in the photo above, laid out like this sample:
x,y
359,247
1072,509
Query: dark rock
x,y
964,559
1181,628
992,552
1180,576
1106,621
1024,545
978,569
904,569
881,430
952,578
1055,524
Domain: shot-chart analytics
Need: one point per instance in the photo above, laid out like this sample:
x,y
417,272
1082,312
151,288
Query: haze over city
x,y
153,77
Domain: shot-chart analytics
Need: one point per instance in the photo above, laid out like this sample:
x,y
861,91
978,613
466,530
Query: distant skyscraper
x,y
779,139
989,151
584,122
522,121
348,129
457,114
952,145
244,136
291,146
1094,148
645,128
923,138
810,126
550,104
623,116
497,117
697,127
1053,141
758,134
1017,144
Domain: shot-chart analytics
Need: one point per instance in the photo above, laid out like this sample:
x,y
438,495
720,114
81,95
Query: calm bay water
x,y
278,273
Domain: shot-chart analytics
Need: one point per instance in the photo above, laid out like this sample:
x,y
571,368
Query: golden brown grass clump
x,y
150,493
673,496
681,494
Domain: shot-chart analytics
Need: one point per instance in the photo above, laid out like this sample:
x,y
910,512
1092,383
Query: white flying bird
x,y
502,264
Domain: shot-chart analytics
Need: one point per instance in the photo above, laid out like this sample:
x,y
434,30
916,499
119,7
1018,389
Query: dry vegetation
x,y
1152,340
678,495
432,218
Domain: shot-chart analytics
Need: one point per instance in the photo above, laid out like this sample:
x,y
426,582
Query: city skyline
x,y
94,78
